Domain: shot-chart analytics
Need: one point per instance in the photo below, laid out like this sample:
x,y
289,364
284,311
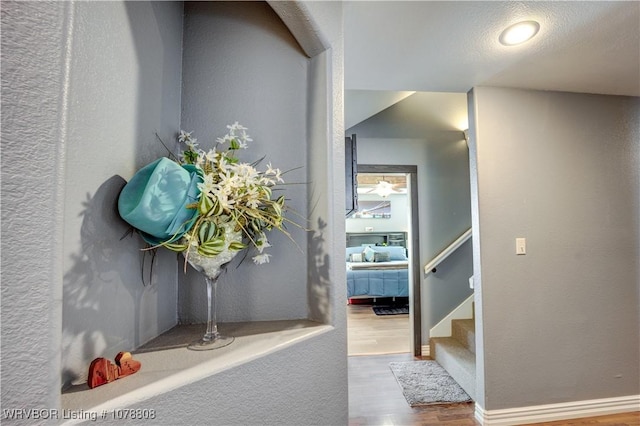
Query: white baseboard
x,y
426,350
562,411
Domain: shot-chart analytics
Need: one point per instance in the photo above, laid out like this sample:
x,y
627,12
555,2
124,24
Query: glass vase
x,y
212,338
212,267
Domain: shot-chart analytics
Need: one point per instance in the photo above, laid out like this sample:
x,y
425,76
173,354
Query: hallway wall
x,y
560,323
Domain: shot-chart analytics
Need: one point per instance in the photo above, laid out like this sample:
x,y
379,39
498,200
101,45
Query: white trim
x,y
463,311
426,350
562,411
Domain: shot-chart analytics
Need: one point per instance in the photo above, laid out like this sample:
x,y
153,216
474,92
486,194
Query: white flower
x,y
246,171
236,193
210,155
184,136
241,143
270,170
253,202
237,136
261,258
228,181
262,242
244,137
199,161
191,144
225,139
207,185
274,172
236,126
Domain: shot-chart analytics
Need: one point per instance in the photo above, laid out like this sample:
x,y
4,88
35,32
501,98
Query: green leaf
x,y
267,191
216,209
205,204
237,246
208,252
211,248
202,232
277,209
175,247
217,244
207,231
190,156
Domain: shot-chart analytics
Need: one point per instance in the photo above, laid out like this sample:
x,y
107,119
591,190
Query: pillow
x,y
351,250
382,256
395,252
368,254
355,257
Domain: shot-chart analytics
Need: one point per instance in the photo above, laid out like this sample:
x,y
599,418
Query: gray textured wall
x,y
62,120
32,201
398,135
242,64
291,387
109,94
560,323
124,86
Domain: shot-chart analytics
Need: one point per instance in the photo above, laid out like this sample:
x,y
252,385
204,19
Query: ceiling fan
x,y
384,188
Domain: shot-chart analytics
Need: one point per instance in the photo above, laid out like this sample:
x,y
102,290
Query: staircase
x,y
456,353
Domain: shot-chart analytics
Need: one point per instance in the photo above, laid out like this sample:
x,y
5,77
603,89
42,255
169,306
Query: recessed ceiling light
x,y
519,33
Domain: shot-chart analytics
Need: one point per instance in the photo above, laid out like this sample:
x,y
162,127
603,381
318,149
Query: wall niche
x,y
141,68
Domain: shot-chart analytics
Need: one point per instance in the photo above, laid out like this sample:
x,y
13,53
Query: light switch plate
x,y
521,246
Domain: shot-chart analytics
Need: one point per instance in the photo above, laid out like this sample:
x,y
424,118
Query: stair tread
x,y
454,347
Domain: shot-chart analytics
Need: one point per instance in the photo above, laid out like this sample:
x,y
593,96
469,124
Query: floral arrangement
x,y
231,197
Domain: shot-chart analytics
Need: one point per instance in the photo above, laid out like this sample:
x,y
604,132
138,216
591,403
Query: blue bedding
x,y
378,279
378,283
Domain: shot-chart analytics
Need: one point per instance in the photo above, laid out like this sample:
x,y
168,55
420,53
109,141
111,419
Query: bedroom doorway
x,y
383,313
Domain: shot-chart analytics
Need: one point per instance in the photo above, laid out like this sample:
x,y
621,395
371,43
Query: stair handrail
x,y
431,266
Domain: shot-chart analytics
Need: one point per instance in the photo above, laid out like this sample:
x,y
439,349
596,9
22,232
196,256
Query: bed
x,y
377,271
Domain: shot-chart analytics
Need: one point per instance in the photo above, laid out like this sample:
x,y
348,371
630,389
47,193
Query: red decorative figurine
x,y
102,371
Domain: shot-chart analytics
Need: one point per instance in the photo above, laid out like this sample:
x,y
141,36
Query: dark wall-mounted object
x,y
351,178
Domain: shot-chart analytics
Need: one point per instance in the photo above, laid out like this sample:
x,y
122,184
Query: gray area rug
x,y
390,310
427,383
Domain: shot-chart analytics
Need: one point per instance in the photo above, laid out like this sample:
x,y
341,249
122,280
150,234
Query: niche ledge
x,y
167,364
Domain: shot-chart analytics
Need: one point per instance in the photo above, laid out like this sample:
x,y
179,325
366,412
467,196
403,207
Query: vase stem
x,y
212,324
212,339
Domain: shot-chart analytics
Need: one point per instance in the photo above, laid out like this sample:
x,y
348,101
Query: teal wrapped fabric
x,y
155,200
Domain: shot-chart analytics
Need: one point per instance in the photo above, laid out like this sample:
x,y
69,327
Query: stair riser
x,y
462,372
464,334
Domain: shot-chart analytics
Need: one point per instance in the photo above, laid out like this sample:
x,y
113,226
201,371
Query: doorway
x,y
387,234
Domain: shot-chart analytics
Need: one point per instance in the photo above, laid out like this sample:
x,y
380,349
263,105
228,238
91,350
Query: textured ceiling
x,y
452,46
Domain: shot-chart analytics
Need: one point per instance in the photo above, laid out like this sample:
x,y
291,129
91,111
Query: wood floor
x,y
370,334
375,398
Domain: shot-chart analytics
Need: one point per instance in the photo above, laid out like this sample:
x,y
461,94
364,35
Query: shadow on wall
x,y
106,307
318,276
